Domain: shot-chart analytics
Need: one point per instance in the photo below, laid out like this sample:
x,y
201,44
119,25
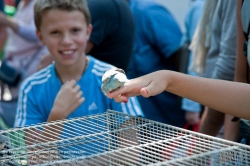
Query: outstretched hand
x,y
148,85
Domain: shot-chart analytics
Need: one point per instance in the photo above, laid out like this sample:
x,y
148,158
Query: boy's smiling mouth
x,y
67,53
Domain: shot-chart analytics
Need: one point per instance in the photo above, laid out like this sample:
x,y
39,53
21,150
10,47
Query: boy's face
x,y
65,34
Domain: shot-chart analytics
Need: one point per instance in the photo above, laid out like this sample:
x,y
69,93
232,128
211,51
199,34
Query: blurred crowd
x,y
141,37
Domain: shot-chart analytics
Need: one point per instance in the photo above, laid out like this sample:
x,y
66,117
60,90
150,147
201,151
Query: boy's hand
x,y
68,99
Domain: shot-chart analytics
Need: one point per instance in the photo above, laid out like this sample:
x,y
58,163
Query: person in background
x,y
3,34
112,37
191,21
216,59
2,6
242,69
17,2
157,38
22,51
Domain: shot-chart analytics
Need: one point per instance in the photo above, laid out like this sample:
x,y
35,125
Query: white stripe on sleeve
x,y
124,110
130,108
136,106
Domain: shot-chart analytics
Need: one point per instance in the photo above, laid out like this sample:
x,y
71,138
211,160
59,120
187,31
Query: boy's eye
x,y
54,32
75,30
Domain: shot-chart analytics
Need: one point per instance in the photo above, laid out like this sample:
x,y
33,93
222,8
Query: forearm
x,y
28,32
241,60
224,96
55,115
12,24
3,37
39,154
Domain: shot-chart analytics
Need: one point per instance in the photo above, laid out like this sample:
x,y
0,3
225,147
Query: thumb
x,y
145,92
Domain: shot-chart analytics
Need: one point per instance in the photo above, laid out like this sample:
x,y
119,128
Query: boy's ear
x,y
89,30
39,36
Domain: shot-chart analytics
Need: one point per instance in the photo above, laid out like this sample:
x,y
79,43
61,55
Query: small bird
x,y
113,79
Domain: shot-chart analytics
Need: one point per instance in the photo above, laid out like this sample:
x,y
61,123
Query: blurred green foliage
x,y
10,11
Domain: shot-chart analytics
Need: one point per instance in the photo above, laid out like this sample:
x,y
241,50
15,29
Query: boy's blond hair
x,y
42,6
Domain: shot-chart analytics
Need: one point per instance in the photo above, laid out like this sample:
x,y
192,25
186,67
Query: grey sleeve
x,y
28,33
225,64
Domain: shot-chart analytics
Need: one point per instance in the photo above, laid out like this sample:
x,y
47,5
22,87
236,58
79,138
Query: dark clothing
x,y
17,2
2,6
157,37
113,31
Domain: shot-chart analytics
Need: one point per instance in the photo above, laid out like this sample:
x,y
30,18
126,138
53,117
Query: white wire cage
x,y
114,138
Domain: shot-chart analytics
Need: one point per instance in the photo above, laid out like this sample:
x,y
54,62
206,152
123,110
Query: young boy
x,y
70,87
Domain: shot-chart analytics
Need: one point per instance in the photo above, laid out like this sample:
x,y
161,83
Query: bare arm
x,y
241,60
240,73
8,22
3,37
228,97
225,96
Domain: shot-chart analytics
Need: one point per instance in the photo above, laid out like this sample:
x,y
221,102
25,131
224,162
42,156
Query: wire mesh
x,y
114,138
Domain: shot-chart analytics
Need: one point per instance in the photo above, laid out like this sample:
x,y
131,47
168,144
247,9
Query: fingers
x,y
71,83
81,100
79,94
121,98
118,92
76,88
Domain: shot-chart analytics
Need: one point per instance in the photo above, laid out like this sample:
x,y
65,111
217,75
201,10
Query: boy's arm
x,y
67,100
